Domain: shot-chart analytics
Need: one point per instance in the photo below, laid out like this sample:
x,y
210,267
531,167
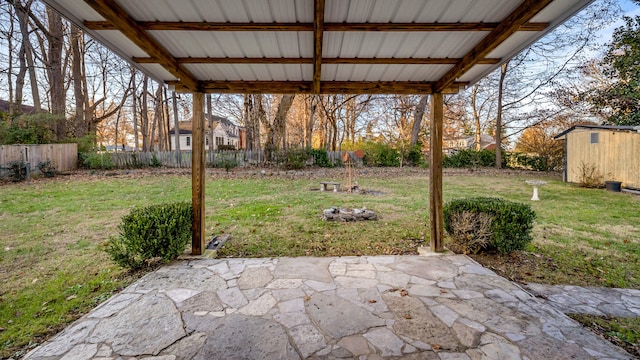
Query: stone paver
x,y
387,307
589,300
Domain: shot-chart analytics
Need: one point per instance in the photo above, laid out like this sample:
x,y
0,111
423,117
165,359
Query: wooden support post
x,y
435,180
197,176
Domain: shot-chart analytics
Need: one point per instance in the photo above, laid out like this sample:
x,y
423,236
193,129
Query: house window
x,y
188,140
594,138
219,141
206,140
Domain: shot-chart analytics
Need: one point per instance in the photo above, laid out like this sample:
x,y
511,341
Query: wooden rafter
x,y
326,87
122,21
388,27
520,16
318,35
365,61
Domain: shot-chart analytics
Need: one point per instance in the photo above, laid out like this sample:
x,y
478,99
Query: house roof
x,y
317,46
185,127
25,109
598,127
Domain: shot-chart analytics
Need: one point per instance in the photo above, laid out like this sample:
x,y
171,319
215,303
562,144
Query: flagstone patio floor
x,y
380,307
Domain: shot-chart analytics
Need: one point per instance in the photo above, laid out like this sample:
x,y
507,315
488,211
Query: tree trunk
x,y
77,74
144,124
503,74
27,53
275,130
176,127
22,73
417,120
56,73
135,109
312,112
157,112
167,122
476,117
254,112
210,123
10,62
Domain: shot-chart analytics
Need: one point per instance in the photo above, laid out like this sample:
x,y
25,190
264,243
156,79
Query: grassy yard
x,y
53,269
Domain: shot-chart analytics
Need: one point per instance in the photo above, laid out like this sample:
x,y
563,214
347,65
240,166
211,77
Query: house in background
x,y
24,109
450,145
225,132
612,151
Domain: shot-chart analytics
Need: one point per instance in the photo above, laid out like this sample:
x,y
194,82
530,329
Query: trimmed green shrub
x,y
414,156
95,161
511,222
536,162
155,162
17,170
467,158
294,159
381,155
157,233
47,168
226,163
321,157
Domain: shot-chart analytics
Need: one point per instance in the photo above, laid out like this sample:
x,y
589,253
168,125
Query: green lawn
x,y
52,267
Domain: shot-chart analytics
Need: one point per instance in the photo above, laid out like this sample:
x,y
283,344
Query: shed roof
x,y
598,127
317,46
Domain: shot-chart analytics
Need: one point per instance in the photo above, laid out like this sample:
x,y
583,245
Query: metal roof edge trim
x,y
598,127
552,26
96,36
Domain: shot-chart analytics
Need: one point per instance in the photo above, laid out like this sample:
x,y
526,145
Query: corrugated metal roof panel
x,y
485,11
157,71
399,44
221,10
378,72
122,42
81,10
520,37
360,11
252,72
476,71
236,43
555,9
276,44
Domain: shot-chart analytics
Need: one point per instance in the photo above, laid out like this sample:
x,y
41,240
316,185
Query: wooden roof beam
x,y
326,87
356,61
512,23
387,27
113,13
318,33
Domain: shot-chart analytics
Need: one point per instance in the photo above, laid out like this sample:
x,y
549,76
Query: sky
x,y
629,8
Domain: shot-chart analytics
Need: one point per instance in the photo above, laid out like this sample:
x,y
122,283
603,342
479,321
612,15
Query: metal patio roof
x,y
317,46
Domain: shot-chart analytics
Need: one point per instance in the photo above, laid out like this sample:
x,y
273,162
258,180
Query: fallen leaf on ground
x,y
435,346
408,316
71,297
307,298
372,301
404,293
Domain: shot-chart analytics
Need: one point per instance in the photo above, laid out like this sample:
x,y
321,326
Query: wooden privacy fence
x,y
63,156
182,159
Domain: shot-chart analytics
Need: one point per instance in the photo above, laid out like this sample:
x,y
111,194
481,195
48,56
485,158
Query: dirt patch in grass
x,y
623,332
519,266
